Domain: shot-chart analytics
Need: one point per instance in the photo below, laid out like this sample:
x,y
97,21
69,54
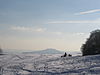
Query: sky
x,y
41,24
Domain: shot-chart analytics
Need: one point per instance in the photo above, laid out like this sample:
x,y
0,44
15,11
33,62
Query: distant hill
x,y
46,51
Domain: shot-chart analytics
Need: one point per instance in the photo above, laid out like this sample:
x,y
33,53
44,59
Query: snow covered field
x,y
50,64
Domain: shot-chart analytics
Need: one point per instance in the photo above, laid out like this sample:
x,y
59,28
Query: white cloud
x,y
74,21
18,28
88,12
58,33
27,29
80,33
40,29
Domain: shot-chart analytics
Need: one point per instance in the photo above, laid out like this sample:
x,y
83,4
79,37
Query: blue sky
x,y
41,24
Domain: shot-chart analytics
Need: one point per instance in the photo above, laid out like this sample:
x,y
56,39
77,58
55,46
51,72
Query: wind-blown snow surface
x,y
30,64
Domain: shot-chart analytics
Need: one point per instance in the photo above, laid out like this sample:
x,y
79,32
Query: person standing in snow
x,y
64,55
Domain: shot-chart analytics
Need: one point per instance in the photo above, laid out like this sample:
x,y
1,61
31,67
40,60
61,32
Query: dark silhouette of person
x,y
65,54
69,55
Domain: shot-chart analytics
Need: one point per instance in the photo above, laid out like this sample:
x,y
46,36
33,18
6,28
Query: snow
x,y
48,64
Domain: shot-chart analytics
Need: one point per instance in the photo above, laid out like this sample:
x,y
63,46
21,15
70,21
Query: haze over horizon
x,y
41,24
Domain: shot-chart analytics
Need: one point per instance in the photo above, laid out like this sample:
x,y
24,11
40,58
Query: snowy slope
x,y
49,64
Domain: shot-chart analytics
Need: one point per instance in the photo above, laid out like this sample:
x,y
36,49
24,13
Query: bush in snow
x,y
92,45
